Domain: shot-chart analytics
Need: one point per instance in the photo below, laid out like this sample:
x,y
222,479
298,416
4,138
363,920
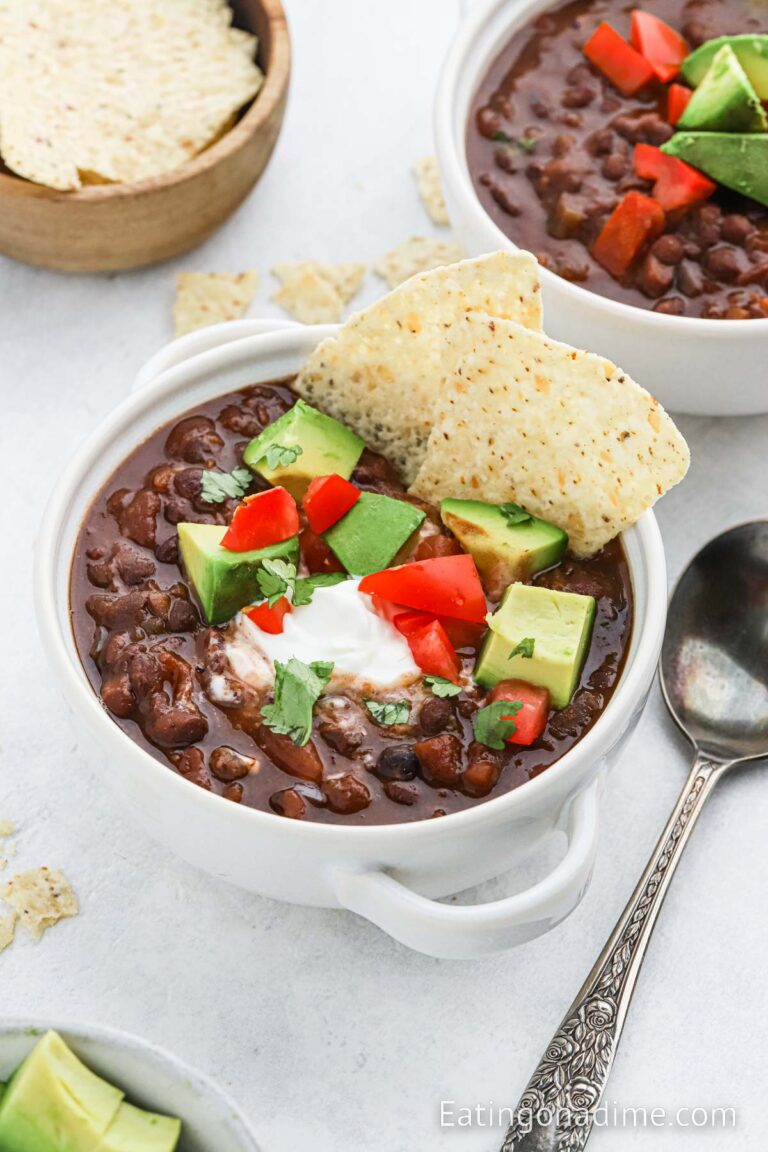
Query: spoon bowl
x,y
714,661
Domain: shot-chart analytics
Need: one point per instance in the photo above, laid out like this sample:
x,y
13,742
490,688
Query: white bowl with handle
x,y
392,874
709,367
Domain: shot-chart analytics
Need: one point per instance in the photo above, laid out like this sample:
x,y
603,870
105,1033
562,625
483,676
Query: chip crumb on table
x,y
40,898
430,189
314,291
416,254
204,298
7,929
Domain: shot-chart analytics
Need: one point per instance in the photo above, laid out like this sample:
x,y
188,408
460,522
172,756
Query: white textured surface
x,y
330,1036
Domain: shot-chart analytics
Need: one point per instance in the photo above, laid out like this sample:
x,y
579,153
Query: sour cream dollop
x,y
339,625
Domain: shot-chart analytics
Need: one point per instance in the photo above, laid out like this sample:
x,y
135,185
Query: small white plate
x,y
150,1078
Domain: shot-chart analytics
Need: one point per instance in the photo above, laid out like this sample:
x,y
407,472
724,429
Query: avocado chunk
x,y
134,1130
738,161
225,581
53,1103
751,50
503,549
372,533
550,632
725,101
324,445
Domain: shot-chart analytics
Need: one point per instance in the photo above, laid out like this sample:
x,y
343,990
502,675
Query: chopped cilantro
x,y
280,455
524,648
514,514
304,587
275,578
297,687
502,137
527,143
388,712
216,487
494,722
442,687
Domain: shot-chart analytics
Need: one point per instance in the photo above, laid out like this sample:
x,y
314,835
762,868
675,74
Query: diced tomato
x,y
663,47
408,622
678,185
318,556
433,651
635,221
625,68
447,585
270,619
327,499
461,633
261,520
531,720
677,102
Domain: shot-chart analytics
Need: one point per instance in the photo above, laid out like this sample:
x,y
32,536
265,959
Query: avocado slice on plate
x,y
53,1103
371,534
736,160
505,547
225,581
548,632
312,445
751,50
134,1130
724,101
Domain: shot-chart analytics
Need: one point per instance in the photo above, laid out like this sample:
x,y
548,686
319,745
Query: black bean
x,y
397,762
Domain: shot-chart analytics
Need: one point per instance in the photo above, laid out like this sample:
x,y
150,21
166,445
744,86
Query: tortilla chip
x,y
204,298
417,254
564,433
6,828
40,898
381,374
7,929
427,176
316,292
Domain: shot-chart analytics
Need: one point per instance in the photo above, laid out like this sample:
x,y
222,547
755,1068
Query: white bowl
x,y
388,873
150,1078
710,367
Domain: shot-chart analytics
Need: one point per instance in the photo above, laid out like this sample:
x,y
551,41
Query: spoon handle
x,y
556,1112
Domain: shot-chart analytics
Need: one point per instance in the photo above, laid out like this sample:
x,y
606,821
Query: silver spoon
x,y
714,676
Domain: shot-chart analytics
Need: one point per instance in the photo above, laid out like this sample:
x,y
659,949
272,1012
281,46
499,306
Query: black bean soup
x,y
149,655
568,163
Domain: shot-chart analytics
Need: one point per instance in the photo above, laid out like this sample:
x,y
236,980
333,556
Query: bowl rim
x,y
450,124
258,112
627,696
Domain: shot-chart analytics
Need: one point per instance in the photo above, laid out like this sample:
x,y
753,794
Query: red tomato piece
x,y
677,102
318,556
615,58
677,184
327,499
663,47
635,221
461,633
446,585
261,520
531,719
433,651
272,619
409,622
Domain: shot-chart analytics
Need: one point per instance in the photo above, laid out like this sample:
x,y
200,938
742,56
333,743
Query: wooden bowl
x,y
111,226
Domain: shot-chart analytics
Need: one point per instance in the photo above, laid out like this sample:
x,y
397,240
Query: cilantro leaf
x,y
442,687
280,455
389,712
274,578
494,723
514,514
502,137
524,648
297,687
216,487
527,143
304,587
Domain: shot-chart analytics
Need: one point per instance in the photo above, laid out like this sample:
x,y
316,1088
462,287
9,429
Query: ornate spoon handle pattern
x,y
557,1110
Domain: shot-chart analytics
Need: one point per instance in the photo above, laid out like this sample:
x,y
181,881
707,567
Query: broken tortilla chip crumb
x,y
40,898
316,292
7,929
430,189
204,298
417,254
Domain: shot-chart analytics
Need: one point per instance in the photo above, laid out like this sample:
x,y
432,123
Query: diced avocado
x,y
372,533
503,550
134,1130
751,50
560,626
225,581
326,446
738,161
53,1103
725,101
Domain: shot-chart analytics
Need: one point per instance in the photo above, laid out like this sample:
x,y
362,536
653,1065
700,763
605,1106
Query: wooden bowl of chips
x,y
103,227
